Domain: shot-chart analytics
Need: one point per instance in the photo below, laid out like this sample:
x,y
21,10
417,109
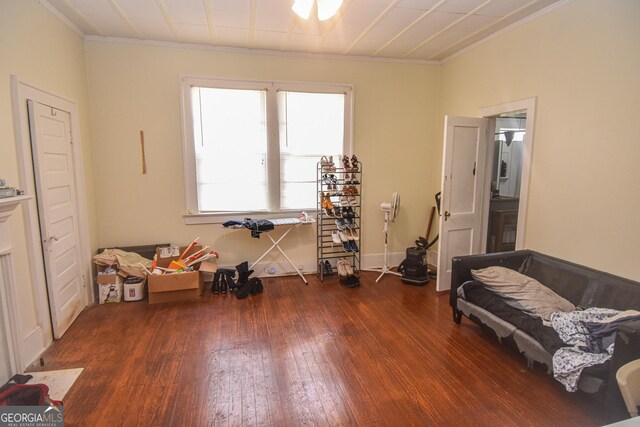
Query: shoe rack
x,y
343,187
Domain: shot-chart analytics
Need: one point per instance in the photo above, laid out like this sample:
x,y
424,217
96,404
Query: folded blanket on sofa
x,y
476,293
522,292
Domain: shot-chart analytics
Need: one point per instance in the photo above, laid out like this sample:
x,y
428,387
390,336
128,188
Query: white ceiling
x,y
427,30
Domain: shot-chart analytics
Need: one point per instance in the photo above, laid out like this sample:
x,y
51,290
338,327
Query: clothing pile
x,y
591,334
256,226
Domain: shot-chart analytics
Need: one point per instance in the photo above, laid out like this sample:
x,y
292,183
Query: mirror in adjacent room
x,y
510,129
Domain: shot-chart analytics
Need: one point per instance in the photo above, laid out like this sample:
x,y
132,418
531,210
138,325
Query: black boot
x,y
255,286
223,284
215,287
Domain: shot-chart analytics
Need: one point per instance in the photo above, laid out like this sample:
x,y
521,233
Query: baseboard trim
x,y
33,346
308,266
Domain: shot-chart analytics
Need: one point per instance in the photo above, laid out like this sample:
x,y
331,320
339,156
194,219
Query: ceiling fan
x,y
326,8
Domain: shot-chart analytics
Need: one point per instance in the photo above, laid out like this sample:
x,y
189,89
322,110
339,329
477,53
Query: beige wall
x,y
42,51
582,62
135,87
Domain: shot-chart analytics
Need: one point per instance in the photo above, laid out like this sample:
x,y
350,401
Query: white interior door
x,y
56,194
463,177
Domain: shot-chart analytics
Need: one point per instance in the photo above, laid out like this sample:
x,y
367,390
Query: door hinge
x,y
84,281
70,137
474,168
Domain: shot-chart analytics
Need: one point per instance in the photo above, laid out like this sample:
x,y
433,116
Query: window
x,y
254,146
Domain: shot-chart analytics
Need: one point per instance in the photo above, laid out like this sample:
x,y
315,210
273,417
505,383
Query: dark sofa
x,y
584,287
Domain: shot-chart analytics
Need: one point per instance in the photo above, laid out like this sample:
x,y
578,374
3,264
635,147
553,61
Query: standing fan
x,y
390,214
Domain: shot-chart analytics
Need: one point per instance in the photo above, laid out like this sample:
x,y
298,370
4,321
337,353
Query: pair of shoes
x,y
346,273
327,206
305,217
333,189
348,223
341,224
351,179
246,286
345,163
344,267
348,213
223,281
329,179
348,245
350,190
327,164
327,268
350,281
355,164
338,237
352,234
348,201
252,287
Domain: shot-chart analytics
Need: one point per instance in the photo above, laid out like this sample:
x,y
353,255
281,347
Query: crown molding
x,y
266,52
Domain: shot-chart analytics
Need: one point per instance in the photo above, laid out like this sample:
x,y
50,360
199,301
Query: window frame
x,y
192,215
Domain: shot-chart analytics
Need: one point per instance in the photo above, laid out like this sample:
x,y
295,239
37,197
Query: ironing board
x,y
279,223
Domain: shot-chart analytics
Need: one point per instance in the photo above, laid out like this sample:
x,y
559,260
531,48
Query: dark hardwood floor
x,y
323,354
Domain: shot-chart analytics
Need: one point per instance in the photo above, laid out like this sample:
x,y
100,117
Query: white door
x,y
463,173
56,194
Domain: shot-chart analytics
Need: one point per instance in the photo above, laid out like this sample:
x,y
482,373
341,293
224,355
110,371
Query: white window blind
x,y
230,133
311,125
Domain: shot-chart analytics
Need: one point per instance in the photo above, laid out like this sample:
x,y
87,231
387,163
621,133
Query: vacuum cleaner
x,y
414,267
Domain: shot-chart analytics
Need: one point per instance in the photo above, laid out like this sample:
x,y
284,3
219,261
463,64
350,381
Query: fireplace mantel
x,y
7,207
8,204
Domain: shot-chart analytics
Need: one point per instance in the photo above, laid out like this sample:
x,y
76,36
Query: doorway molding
x,y
21,92
528,104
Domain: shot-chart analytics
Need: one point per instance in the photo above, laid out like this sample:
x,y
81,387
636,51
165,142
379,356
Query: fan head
x,y
393,207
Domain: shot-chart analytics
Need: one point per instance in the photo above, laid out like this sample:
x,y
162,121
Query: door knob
x,y
447,214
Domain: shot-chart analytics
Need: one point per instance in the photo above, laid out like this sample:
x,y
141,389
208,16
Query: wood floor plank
x,y
381,354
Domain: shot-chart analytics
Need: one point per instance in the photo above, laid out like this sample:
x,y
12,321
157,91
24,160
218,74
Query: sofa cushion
x,y
522,292
567,280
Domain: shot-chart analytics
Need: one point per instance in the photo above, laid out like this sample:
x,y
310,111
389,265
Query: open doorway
x,y
506,179
467,164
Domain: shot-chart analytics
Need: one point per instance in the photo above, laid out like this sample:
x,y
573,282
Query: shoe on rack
x,y
345,163
354,233
341,224
354,180
348,267
355,164
348,233
335,237
353,201
342,271
346,244
328,269
353,246
327,164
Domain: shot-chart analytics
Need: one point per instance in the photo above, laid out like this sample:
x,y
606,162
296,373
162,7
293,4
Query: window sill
x,y
220,218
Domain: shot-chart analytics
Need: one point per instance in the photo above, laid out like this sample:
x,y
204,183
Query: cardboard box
x,y
176,286
110,292
109,286
207,270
